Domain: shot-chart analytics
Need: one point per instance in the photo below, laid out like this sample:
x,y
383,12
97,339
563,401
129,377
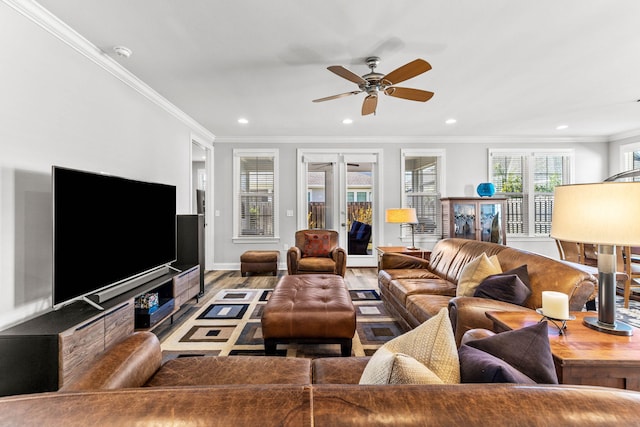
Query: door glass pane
x,y
359,208
320,184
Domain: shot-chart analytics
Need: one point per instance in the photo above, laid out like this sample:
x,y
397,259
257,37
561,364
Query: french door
x,y
339,191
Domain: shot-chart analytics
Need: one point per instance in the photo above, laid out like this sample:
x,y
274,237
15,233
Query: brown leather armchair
x,y
316,252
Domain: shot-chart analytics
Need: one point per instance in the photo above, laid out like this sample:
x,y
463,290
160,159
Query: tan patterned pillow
x,y
431,345
475,272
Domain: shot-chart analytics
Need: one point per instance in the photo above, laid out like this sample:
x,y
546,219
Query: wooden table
x,y
583,355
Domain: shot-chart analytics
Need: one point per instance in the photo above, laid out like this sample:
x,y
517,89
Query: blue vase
x,y
486,189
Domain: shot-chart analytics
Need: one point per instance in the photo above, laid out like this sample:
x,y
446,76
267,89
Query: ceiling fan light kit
x,y
373,83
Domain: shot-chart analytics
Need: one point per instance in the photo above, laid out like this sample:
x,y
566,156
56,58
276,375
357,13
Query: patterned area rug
x,y
229,324
629,315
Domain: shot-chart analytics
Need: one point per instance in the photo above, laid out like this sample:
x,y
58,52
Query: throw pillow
x,y
522,272
316,245
475,272
477,366
432,344
526,350
503,287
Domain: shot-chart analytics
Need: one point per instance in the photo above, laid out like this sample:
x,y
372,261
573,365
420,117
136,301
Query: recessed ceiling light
x,y
561,127
450,121
243,121
122,51
347,121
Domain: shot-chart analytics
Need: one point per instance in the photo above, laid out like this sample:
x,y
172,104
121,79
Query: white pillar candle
x,y
555,305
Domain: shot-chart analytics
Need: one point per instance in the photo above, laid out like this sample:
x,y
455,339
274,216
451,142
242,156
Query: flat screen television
x,y
108,230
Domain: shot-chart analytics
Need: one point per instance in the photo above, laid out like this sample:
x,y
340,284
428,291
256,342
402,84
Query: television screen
x,y
108,229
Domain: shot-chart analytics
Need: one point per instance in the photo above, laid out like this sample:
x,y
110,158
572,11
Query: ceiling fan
x,y
373,83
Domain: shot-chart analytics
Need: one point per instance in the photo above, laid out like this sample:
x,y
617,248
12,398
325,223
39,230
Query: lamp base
x,y
412,248
617,328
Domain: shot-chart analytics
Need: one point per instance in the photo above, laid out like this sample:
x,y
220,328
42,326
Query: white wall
x,y
466,165
58,107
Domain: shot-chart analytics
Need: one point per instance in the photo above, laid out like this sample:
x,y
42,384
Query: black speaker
x,y
190,246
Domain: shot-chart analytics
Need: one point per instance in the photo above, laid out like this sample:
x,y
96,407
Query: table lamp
x,y
606,214
404,216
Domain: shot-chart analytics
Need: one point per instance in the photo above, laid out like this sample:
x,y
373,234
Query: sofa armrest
x,y
293,256
476,334
129,363
339,256
470,313
392,260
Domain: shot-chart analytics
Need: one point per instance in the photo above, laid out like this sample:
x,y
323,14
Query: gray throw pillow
x,y
527,350
503,287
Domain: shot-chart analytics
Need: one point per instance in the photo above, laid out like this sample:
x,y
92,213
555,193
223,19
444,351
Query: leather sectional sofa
x,y
414,289
129,385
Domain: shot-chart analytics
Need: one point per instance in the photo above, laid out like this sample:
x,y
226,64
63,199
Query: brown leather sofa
x,y
239,391
415,289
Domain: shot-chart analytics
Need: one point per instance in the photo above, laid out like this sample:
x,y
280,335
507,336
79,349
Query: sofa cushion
x,y
522,272
316,245
477,366
526,350
474,272
387,367
503,287
432,344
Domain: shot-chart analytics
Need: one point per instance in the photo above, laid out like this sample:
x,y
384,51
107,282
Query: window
x,y
422,185
631,159
255,189
528,180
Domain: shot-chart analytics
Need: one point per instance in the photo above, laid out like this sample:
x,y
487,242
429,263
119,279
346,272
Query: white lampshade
x,y
403,216
605,213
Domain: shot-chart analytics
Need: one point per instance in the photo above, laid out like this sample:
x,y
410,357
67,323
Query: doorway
x,y
339,191
201,192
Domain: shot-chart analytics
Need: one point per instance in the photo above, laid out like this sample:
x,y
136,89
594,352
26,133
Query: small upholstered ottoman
x,y
259,262
309,308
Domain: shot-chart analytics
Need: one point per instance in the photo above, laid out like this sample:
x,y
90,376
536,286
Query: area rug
x,y
229,324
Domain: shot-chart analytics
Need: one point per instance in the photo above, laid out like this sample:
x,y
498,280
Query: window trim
x,y
238,154
530,154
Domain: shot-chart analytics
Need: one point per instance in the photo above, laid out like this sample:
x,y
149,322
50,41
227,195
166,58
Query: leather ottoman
x,y
309,308
259,262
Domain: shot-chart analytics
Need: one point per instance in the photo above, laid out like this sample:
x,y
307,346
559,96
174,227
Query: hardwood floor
x,y
356,278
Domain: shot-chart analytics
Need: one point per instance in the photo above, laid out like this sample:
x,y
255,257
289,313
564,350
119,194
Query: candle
x,y
555,305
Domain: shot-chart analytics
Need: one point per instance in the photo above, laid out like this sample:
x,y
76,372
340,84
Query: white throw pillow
x,y
475,272
425,355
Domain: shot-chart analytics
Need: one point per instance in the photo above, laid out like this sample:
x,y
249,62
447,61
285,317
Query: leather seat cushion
x,y
424,307
316,264
402,288
386,276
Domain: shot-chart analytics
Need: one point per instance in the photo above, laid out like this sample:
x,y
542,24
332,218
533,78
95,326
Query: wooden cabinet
x,y
474,218
186,285
49,350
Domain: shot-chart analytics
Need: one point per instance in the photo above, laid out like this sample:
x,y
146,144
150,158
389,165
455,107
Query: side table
x,y
583,356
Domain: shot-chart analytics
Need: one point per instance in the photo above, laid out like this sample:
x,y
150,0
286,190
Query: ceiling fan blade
x,y
342,95
346,74
408,93
369,105
407,71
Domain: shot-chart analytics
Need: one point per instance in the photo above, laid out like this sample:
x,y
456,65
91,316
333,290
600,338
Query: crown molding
x,y
409,139
625,135
52,24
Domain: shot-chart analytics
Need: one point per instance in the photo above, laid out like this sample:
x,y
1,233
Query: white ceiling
x,y
500,67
